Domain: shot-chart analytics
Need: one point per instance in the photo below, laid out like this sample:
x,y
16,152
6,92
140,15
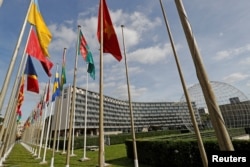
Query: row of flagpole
x,y
216,118
9,122
7,79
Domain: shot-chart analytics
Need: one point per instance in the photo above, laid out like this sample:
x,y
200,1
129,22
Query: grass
x,y
115,155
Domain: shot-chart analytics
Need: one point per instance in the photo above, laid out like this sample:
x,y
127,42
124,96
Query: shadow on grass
x,y
124,162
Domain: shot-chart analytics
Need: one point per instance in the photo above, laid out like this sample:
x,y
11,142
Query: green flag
x,y
63,74
83,49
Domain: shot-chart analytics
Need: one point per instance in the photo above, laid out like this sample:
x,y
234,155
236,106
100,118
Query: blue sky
x,y
221,29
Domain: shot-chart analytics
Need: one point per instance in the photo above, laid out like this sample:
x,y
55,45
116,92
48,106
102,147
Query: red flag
x,y
40,107
20,97
34,50
82,48
47,65
110,42
47,95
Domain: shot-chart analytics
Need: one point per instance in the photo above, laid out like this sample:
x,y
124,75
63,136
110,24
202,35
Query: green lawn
x,y
115,155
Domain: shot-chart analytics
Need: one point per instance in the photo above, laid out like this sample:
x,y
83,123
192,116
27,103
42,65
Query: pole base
x,y
43,162
63,152
72,155
105,164
84,159
52,162
136,163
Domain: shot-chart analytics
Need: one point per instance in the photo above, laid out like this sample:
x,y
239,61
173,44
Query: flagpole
x,y
130,105
7,132
66,124
12,130
1,2
84,158
191,111
47,133
59,124
50,135
36,133
221,132
43,122
46,141
56,115
73,101
14,96
73,136
12,63
56,118
101,128
61,87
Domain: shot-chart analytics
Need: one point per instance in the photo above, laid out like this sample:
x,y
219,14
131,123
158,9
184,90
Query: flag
x,y
84,50
47,65
20,99
27,123
63,74
47,95
35,18
34,116
32,81
110,42
56,87
91,66
34,49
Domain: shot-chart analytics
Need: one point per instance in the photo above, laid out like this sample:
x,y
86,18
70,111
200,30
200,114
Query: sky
x,y
221,29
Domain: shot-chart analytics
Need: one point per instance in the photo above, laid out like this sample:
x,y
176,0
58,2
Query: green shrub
x,y
176,152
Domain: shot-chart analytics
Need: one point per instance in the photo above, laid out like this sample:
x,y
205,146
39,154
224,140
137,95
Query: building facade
x,y
147,115
236,114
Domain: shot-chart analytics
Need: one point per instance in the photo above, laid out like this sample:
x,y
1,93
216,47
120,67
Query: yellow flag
x,y
43,32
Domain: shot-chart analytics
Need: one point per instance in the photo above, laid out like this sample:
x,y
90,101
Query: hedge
x,y
177,152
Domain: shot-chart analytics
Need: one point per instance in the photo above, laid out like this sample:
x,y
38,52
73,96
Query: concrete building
x,y
147,115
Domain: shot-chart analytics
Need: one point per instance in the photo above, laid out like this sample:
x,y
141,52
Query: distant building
x,y
236,114
147,115
234,104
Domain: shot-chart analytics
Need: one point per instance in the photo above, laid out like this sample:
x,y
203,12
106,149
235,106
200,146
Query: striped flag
x,y
84,50
32,80
20,99
44,35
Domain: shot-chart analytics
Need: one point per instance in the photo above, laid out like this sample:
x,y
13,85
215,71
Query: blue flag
x,y
56,87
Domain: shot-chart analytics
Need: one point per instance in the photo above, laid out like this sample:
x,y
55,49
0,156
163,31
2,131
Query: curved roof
x,y
223,93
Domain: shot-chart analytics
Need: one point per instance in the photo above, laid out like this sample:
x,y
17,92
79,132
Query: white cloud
x,y
63,36
245,61
122,91
151,55
231,52
235,77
